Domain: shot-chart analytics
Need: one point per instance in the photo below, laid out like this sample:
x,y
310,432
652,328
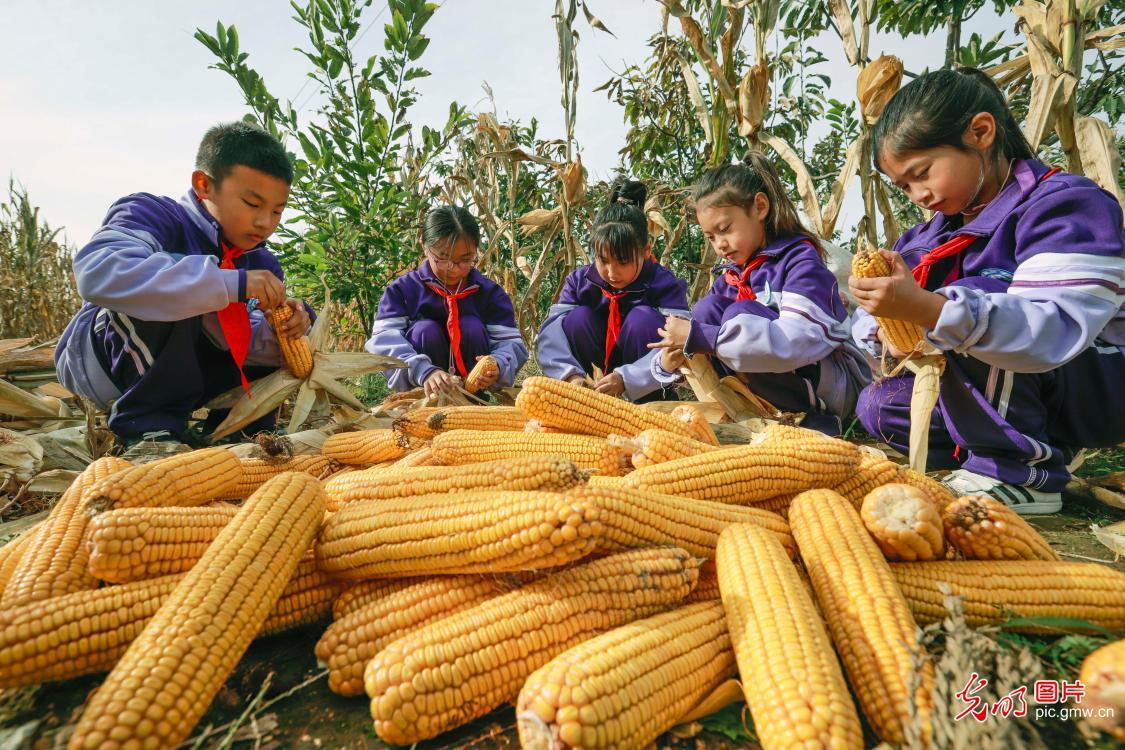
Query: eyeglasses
x,y
445,264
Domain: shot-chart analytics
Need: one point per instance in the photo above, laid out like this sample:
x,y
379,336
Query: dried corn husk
x,y
876,84
574,182
753,98
20,457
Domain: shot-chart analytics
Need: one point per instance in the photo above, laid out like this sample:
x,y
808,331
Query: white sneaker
x,y
1023,500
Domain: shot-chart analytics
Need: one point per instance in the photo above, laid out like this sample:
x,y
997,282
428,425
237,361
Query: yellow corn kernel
x,y
296,352
366,447
192,478
575,409
458,447
255,471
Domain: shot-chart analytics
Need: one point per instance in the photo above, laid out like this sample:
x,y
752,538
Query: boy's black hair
x,y
935,109
620,229
443,226
231,144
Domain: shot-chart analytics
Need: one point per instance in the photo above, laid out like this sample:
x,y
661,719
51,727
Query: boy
x,y
166,326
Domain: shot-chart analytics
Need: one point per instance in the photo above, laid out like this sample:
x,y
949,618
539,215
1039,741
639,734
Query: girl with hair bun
x,y
609,311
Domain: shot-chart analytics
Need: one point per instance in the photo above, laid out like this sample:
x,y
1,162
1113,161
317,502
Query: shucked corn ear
x,y
132,544
499,418
357,595
638,518
995,590
627,686
255,471
87,632
423,456
365,447
296,352
472,532
904,523
550,473
751,473
350,642
693,418
12,552
192,478
873,470
458,447
572,408
460,667
867,615
413,422
982,528
657,446
166,679
904,336
56,561
790,675
1103,675
486,367
937,492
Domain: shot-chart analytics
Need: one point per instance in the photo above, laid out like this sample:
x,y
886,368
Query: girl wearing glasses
x,y
610,311
444,315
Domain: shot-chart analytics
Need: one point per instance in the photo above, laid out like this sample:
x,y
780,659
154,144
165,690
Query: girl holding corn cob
x,y
774,316
1020,273
611,310
444,315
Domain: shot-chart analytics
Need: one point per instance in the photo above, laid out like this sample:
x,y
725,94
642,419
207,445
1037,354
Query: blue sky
x,y
103,98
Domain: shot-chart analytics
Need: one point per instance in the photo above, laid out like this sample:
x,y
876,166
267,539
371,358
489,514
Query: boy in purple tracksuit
x,y
774,316
610,311
1018,278
165,325
443,316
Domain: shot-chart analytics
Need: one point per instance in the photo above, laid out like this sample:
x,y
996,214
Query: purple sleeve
x,y
552,347
1068,286
504,340
129,266
388,337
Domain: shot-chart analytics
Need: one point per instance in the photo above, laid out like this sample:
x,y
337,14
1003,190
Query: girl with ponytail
x,y
774,316
1019,278
610,311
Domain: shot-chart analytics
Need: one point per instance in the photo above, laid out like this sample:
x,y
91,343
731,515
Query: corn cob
x,y
362,593
458,447
86,632
451,671
486,367
365,447
350,642
629,685
184,479
873,470
751,473
497,418
472,532
548,473
996,590
169,674
132,544
1103,674
574,409
904,523
255,471
700,427
868,617
707,589
801,699
937,492
657,446
413,422
900,334
55,562
12,553
423,456
637,518
296,352
982,528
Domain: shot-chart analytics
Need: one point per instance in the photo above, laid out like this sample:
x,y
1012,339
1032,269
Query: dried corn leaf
x,y
1100,158
695,93
17,402
840,186
876,84
20,457
805,185
1112,536
843,16
699,43
538,219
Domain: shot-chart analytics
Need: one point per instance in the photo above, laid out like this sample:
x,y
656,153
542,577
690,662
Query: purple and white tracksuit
x,y
147,345
412,321
791,344
572,340
1033,333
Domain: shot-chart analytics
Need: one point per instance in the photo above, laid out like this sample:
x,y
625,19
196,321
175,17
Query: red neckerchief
x,y
234,320
613,323
742,280
453,320
952,247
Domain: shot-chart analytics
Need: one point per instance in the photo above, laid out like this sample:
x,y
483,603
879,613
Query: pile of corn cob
x,y
605,567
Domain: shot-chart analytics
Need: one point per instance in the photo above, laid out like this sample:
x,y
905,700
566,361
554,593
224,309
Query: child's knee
x,y
425,333
643,318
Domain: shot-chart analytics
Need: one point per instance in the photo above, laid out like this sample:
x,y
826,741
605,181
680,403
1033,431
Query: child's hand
x,y
675,333
581,380
611,385
671,360
897,296
298,322
488,377
269,289
437,382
